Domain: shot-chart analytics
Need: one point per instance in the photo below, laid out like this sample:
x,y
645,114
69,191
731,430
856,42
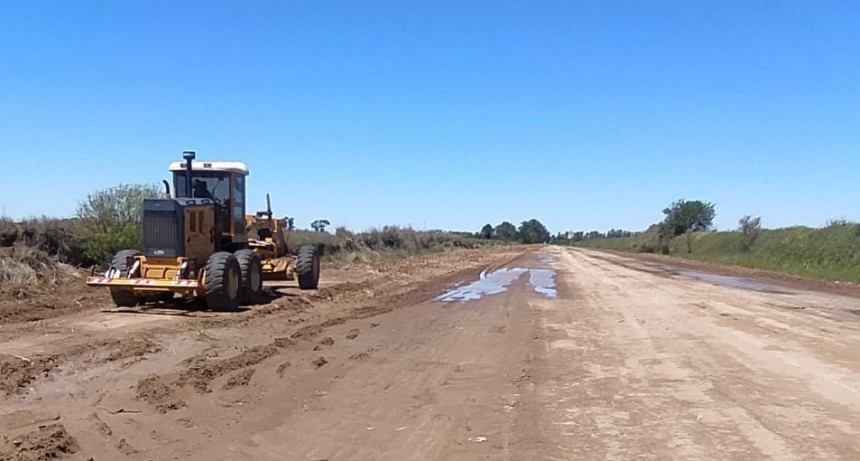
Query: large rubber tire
x,y
223,282
123,298
252,276
308,267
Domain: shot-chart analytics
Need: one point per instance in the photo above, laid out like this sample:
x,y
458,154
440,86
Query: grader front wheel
x,y
119,269
223,282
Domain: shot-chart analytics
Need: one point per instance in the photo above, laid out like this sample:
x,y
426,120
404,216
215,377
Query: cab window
x,y
239,203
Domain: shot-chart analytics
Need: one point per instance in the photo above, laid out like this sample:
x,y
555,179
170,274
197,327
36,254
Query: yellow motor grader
x,y
196,244
267,237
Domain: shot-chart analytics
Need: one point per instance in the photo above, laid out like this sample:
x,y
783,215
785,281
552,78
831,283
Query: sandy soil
x,y
625,363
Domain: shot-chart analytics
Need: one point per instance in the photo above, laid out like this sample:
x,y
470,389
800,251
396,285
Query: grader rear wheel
x,y
308,267
252,276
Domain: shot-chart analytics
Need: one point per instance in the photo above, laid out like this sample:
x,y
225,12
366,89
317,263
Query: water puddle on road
x,y
491,283
543,281
721,280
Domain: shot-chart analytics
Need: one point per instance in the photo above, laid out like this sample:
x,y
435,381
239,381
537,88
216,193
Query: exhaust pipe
x,y
189,156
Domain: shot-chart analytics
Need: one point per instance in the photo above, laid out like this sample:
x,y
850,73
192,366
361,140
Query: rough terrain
x,y
620,359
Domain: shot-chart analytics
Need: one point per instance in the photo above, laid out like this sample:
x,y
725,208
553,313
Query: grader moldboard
x,y
196,244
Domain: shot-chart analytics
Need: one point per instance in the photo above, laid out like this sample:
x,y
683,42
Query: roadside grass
x,y
831,253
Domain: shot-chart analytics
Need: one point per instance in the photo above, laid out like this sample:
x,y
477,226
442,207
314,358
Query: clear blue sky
x,y
585,115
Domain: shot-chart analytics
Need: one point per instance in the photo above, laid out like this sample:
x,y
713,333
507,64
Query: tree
x,y
110,220
533,231
291,224
618,233
506,231
486,232
750,228
561,238
320,224
593,235
683,216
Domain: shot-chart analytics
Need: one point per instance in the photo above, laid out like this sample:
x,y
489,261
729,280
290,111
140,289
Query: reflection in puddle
x,y
721,280
546,259
542,280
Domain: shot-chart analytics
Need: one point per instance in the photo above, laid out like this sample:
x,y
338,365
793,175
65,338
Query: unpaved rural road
x,y
620,360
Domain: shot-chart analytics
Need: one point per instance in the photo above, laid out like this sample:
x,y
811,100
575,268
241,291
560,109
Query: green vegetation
x,y
831,252
109,220
531,231
505,232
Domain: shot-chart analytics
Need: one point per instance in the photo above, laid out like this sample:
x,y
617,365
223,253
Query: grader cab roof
x,y
229,167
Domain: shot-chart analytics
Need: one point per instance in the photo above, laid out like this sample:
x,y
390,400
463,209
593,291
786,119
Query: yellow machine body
x,y
267,237
153,275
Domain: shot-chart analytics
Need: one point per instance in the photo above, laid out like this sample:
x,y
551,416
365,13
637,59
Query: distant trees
x,y
579,236
505,231
533,231
320,224
487,232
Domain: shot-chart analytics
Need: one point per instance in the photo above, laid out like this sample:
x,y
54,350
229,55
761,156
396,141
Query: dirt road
x,y
515,354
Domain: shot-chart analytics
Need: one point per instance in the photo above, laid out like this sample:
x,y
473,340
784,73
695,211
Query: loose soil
x,y
627,362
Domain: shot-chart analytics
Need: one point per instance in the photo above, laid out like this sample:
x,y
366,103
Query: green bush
x,y
110,220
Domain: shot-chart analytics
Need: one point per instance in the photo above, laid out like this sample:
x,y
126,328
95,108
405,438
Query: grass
x,y
830,253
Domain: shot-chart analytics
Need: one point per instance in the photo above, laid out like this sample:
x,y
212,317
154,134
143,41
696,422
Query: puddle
x,y
721,280
543,281
491,283
546,259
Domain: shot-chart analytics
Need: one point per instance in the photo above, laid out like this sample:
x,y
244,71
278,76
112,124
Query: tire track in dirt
x,y
18,372
202,371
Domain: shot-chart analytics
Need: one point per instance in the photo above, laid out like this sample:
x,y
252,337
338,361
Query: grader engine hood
x,y
178,227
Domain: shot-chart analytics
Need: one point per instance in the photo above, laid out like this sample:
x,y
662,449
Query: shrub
x,y
750,228
110,220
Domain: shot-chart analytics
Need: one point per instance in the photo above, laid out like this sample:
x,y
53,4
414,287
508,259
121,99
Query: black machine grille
x,y
161,233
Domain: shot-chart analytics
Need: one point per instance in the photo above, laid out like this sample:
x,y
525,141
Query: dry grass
x,y
389,241
24,265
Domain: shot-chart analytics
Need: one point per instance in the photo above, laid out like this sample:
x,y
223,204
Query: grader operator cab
x,y
196,244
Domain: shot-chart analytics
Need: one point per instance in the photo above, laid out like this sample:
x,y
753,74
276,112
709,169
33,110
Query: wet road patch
x,y
491,283
722,280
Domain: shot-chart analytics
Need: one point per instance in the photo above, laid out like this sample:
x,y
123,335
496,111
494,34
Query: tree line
x,y
531,231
